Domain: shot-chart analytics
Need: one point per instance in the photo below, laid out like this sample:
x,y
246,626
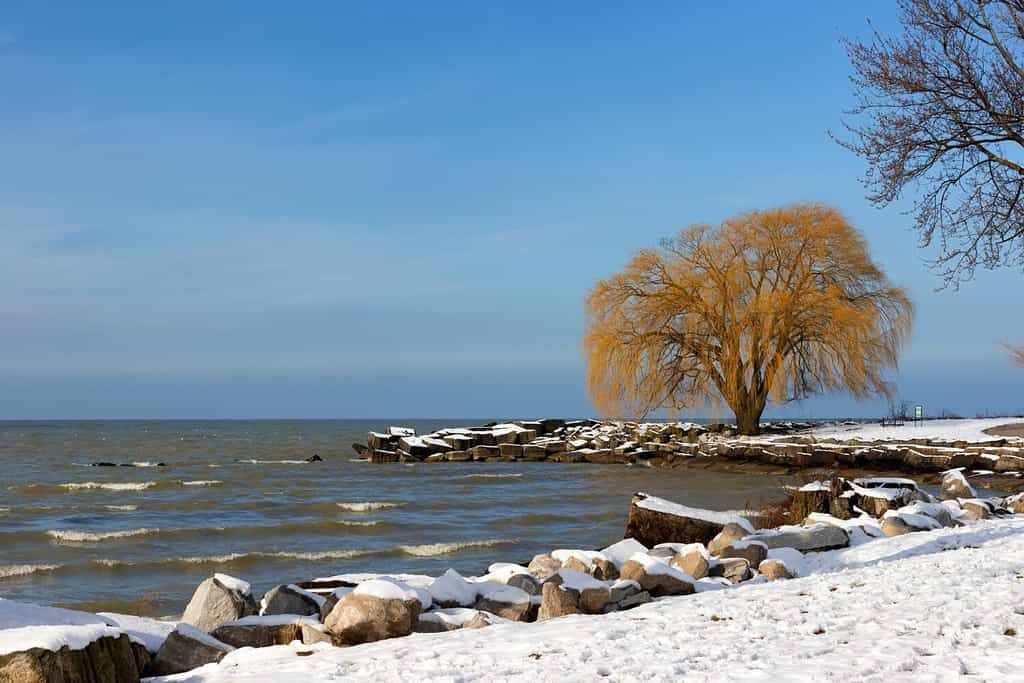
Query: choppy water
x,y
237,497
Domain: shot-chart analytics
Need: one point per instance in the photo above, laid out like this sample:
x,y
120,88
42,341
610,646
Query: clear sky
x,y
396,209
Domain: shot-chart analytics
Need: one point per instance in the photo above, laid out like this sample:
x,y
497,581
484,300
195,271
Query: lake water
x,y
237,497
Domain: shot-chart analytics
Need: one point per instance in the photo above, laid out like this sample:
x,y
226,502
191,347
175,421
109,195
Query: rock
x,y
332,600
442,620
940,513
556,602
289,599
692,559
452,590
187,648
752,551
543,566
622,550
361,449
279,629
109,659
622,589
656,577
314,632
525,582
1016,504
774,569
976,508
729,534
314,458
374,610
636,600
604,570
575,564
217,600
895,526
508,602
589,594
955,485
734,569
807,539
655,520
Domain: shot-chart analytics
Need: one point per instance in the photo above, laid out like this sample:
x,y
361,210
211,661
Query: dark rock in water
x,y
103,464
105,660
361,449
314,458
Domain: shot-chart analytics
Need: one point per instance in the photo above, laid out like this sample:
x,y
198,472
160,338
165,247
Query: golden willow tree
x,y
770,305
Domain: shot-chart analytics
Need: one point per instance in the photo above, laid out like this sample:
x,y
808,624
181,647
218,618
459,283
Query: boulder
x,y
590,595
374,610
556,602
187,648
656,577
655,520
622,589
807,539
314,632
453,619
752,551
734,569
508,602
894,526
108,659
543,566
955,485
219,599
278,629
525,582
452,590
332,600
1016,504
774,569
899,523
729,534
976,508
693,559
622,550
290,599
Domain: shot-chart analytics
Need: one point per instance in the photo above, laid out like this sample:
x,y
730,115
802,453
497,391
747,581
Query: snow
x,y
579,581
233,584
915,520
24,626
656,566
150,633
499,592
455,616
928,606
815,486
791,557
954,480
668,507
687,548
945,430
201,636
587,557
386,590
503,571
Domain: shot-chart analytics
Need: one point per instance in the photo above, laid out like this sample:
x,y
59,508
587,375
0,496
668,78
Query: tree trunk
x,y
748,419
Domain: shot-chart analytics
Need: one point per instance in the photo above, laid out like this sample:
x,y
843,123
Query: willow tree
x,y
1016,354
770,305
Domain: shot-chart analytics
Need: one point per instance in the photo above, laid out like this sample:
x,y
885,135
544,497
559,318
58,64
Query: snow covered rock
x,y
655,520
556,602
187,648
290,599
1016,503
899,523
331,600
219,599
808,539
729,534
452,590
149,633
526,582
774,569
278,629
508,602
543,566
655,576
589,594
733,569
752,551
955,485
374,610
442,620
976,508
693,559
621,551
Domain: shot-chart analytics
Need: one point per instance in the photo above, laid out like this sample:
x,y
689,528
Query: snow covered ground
x,y
928,606
950,430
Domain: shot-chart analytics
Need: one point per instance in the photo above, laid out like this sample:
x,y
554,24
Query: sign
x,y
918,412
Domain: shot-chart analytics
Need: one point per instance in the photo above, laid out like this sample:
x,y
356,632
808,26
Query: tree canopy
x,y
941,108
778,304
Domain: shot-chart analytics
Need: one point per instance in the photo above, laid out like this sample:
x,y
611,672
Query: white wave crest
x,y
348,522
489,476
145,463
7,571
274,462
109,486
122,508
432,549
203,482
90,537
368,506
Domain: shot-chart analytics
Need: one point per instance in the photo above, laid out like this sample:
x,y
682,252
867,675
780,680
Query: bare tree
x,y
777,304
1016,354
941,107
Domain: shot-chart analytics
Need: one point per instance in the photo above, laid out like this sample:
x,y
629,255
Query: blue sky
x,y
396,209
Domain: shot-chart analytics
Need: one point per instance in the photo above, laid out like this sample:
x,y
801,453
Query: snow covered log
x,y
653,520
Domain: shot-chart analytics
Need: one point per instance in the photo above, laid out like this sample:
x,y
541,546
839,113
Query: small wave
x,y
4,511
433,549
252,461
489,476
203,482
348,522
108,486
90,537
368,506
122,508
144,464
8,571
